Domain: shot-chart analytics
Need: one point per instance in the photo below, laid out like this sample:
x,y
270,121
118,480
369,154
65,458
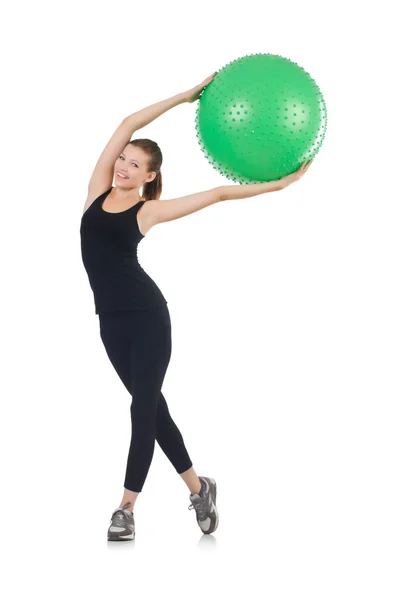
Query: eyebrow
x,y
131,158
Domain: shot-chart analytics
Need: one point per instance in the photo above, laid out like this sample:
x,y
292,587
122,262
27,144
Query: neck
x,y
125,196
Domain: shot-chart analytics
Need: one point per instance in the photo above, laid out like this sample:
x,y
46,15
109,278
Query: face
x,y
132,163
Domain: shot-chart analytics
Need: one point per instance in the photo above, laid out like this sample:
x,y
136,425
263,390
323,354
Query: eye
x,y
132,163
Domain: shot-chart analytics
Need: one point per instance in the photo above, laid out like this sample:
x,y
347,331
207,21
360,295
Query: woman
x,y
135,325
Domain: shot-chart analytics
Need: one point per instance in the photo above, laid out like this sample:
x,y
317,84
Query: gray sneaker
x,y
122,526
206,511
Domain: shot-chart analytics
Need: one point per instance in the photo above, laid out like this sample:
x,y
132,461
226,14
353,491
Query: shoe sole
x,y
213,526
121,538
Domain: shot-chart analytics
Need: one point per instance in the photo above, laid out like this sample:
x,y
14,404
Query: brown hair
x,y
152,189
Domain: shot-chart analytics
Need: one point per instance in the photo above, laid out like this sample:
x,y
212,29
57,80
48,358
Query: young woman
x,y
134,319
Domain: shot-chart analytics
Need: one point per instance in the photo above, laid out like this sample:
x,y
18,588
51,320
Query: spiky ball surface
x,y
260,118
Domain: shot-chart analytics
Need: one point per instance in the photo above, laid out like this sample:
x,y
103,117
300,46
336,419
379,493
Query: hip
x,y
154,322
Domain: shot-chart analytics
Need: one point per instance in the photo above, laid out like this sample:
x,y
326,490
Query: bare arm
x,y
102,176
237,192
160,211
145,116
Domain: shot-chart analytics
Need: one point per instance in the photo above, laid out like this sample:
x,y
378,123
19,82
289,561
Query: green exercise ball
x,y
260,118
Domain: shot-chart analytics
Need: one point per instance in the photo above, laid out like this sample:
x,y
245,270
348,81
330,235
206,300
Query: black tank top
x,y
109,244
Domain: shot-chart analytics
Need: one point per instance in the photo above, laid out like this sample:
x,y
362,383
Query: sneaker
x,y
204,505
122,525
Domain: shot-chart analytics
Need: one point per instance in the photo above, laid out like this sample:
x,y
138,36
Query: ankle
x,y
200,488
128,505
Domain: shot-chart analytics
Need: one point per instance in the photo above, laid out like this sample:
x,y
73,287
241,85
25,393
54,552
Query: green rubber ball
x,y
260,118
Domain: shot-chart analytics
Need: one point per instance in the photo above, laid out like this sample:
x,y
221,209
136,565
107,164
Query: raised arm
x,y
102,176
161,211
236,192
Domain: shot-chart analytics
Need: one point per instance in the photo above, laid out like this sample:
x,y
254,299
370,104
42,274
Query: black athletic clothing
x,y
135,328
138,344
109,244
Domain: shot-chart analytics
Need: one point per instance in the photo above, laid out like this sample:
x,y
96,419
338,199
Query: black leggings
x,y
138,344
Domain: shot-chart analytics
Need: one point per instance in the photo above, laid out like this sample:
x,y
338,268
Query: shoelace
x,y
198,504
118,516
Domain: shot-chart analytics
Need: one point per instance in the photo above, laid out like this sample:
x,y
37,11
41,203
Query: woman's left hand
x,y
194,94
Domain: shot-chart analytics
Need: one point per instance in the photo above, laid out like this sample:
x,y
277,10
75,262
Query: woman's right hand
x,y
288,179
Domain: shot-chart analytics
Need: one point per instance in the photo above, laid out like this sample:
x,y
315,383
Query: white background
x,y
282,377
